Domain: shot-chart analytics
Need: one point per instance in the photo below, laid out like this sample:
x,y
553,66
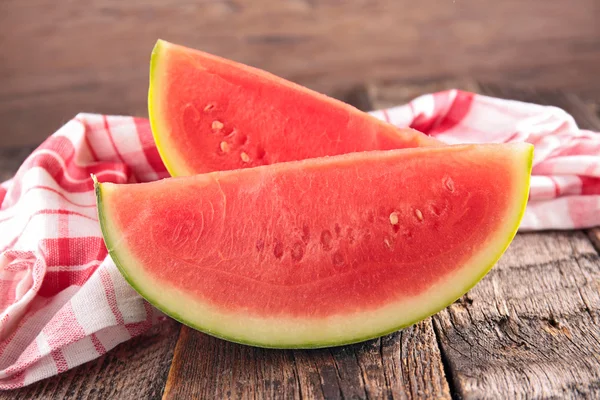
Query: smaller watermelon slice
x,y
212,114
319,252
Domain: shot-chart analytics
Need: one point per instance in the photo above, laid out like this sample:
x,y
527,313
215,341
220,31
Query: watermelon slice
x,y
211,114
319,252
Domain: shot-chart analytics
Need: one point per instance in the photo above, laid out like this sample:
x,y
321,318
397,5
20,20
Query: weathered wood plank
x,y
62,58
531,327
404,365
548,306
136,369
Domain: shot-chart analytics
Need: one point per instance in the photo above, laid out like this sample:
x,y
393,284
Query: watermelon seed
x,y
224,147
209,107
217,125
244,157
297,251
278,249
326,239
449,184
419,214
337,258
260,152
394,218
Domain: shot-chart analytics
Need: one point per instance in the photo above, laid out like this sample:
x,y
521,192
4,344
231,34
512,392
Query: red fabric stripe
x,y
512,137
56,281
9,287
578,210
65,212
30,356
16,381
58,192
3,192
142,326
579,146
63,249
421,122
135,328
111,139
66,251
556,186
589,185
450,108
386,116
80,173
72,251
98,344
109,290
459,108
50,211
86,139
59,360
42,212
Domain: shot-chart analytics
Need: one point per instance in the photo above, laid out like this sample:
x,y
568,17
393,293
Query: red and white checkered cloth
x,y
62,300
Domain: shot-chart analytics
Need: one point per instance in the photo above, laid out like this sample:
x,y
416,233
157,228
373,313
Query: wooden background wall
x,y
61,57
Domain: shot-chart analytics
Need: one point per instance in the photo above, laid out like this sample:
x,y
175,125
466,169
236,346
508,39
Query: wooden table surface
x,y
529,329
64,57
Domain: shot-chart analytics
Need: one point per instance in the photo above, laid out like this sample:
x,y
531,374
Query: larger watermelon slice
x,y
212,114
323,251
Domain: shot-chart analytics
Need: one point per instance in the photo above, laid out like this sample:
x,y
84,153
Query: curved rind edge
x,y
313,345
155,58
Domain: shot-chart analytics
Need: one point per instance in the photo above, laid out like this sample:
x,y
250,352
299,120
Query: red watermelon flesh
x,y
323,251
212,114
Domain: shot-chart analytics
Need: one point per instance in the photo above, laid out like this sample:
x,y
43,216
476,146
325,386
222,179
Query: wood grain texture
x,y
61,58
404,365
136,369
531,328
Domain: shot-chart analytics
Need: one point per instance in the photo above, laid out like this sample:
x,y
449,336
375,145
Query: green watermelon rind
x,y
312,345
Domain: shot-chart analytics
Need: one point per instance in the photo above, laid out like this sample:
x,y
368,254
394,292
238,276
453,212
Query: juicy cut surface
x,y
322,236
211,114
